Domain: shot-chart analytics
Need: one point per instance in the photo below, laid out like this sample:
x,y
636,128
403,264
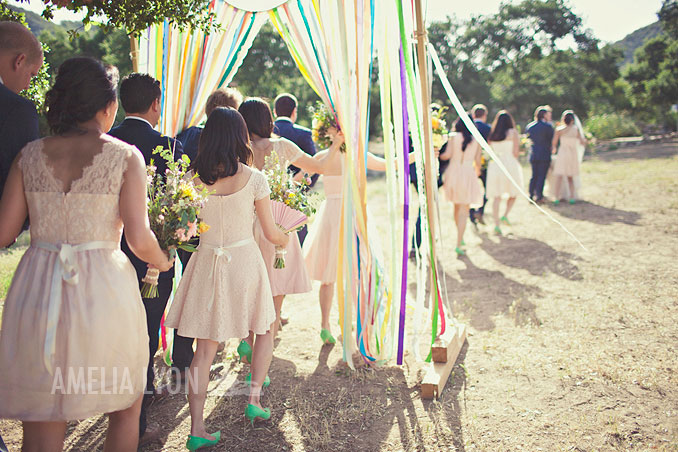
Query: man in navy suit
x,y
479,112
223,97
20,60
285,109
541,133
140,98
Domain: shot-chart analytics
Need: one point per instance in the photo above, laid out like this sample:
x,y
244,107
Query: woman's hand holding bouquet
x,y
173,210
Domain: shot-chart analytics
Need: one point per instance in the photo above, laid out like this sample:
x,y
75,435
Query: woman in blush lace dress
x,y
224,292
460,181
74,293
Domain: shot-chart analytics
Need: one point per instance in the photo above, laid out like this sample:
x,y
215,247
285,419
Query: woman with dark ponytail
x,y
73,341
460,181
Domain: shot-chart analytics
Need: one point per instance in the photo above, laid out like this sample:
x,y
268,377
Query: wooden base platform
x,y
445,351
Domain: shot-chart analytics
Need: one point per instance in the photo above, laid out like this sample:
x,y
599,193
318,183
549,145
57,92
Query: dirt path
x,y
569,350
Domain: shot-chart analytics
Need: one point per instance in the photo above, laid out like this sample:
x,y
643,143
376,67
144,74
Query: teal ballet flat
x,y
196,442
572,201
556,202
252,412
245,351
505,220
459,251
327,337
497,230
248,379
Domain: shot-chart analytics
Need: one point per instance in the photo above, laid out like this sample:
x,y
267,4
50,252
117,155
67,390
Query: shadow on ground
x,y
532,255
594,213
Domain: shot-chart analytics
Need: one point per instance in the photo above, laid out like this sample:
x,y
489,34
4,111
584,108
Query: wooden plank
x,y
436,375
441,345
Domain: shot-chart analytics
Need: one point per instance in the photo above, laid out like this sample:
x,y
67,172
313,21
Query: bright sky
x,y
610,20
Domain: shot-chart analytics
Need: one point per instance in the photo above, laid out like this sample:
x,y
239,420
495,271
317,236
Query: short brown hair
x,y
223,97
541,111
17,38
479,110
285,104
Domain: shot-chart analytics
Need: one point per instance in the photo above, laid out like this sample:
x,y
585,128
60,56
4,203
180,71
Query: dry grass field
x,y
568,350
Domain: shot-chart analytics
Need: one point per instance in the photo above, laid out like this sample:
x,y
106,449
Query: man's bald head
x,y
17,39
20,56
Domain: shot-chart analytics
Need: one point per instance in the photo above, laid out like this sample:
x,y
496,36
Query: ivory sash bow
x,y
65,271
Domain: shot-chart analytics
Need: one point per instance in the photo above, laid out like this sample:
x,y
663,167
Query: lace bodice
x,y
231,217
90,210
465,157
503,148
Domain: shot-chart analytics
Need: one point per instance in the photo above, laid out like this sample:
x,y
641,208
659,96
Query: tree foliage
x,y
653,74
137,15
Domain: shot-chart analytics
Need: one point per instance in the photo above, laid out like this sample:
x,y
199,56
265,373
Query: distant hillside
x,y
37,23
635,40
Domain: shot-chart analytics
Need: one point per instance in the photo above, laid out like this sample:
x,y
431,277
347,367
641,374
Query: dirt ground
x,y
568,350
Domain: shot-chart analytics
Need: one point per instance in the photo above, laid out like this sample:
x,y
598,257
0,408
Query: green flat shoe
x,y
556,202
459,251
252,412
505,220
196,442
572,201
497,229
327,337
245,351
248,379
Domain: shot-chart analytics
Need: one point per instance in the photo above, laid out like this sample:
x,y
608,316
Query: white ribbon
x,y
65,271
223,250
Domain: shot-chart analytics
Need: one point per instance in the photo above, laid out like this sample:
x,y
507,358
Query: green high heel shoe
x,y
459,251
197,442
505,220
245,351
252,412
248,379
327,337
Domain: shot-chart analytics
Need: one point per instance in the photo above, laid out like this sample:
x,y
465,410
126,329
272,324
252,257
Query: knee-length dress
x,y
293,278
461,184
321,247
567,158
73,341
225,292
498,184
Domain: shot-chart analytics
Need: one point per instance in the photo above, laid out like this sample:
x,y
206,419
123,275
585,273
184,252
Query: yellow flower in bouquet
x,y
439,125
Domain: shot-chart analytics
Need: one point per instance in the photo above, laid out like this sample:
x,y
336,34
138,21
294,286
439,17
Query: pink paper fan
x,y
286,217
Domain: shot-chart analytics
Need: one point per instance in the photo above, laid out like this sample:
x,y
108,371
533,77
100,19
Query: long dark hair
x,y
459,126
501,125
83,87
258,116
223,144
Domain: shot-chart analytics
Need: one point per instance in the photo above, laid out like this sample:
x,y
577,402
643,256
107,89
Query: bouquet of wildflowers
x,y
439,125
291,203
323,119
174,206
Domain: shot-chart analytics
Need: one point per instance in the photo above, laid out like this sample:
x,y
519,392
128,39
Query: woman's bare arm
x,y
138,234
13,206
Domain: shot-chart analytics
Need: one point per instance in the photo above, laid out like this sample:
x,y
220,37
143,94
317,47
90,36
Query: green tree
x,y
653,74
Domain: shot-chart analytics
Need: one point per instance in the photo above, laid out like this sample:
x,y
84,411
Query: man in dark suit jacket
x,y
140,98
285,109
223,97
541,133
479,112
20,60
